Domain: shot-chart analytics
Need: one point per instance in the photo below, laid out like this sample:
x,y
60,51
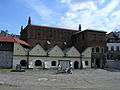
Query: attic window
x,y
65,43
48,42
1,44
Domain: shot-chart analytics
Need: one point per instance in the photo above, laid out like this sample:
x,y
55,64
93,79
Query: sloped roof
x,y
92,30
52,27
12,40
72,51
55,51
37,50
66,50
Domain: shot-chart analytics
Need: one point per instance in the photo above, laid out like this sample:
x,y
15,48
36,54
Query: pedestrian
x,y
59,67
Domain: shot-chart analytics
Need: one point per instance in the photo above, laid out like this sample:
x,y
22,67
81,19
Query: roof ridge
x,y
13,40
53,27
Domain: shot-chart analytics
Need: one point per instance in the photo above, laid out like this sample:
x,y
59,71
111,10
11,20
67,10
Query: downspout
x,y
81,66
28,60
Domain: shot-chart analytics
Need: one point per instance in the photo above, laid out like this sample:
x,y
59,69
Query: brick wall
x,y
39,34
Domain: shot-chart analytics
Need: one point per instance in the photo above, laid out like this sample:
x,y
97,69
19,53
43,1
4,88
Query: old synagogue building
x,y
50,46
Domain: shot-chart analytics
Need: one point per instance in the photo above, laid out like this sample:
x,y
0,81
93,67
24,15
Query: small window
x,y
65,43
48,42
92,50
38,63
117,48
102,50
107,49
107,56
97,49
112,48
53,63
1,44
23,63
86,63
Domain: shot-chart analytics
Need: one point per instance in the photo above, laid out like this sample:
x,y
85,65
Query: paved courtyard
x,y
91,79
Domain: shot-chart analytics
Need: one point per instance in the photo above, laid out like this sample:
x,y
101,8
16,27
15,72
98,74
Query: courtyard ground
x,y
89,79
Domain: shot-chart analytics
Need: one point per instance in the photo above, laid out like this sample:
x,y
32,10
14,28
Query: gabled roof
x,y
66,50
37,50
55,51
12,40
52,27
72,51
92,30
19,49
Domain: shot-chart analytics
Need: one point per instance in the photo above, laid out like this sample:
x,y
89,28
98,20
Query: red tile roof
x,y
13,40
53,27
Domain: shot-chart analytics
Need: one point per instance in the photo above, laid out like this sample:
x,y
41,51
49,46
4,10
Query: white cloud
x,y
110,7
90,16
94,14
80,6
102,1
45,13
65,1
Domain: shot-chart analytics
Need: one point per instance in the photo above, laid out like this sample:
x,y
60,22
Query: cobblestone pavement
x,y
89,79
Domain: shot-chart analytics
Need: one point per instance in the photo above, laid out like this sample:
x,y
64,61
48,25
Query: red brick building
x,y
47,36
64,38
50,36
89,38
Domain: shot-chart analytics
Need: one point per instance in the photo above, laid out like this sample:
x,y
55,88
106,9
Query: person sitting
x,y
69,69
59,67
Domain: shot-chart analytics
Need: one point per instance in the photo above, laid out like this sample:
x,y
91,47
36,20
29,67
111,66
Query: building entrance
x,y
98,63
76,65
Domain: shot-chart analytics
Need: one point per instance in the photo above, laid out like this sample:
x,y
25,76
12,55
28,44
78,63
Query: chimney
x,y
21,28
29,21
79,27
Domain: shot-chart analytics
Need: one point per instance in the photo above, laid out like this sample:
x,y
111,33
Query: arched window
x,y
112,48
53,63
86,63
76,65
92,50
38,63
97,49
23,63
102,50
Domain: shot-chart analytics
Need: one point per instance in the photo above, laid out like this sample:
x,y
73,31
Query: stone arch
x,y
53,63
38,63
23,63
76,65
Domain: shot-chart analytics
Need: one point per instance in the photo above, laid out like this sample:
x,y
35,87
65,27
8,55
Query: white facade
x,y
19,53
113,45
37,57
86,58
113,52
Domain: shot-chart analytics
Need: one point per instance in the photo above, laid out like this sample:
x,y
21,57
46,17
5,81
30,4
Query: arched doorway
x,y
76,65
98,63
53,63
23,63
38,63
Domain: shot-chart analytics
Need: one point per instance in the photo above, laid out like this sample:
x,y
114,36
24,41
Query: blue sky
x,y
91,14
